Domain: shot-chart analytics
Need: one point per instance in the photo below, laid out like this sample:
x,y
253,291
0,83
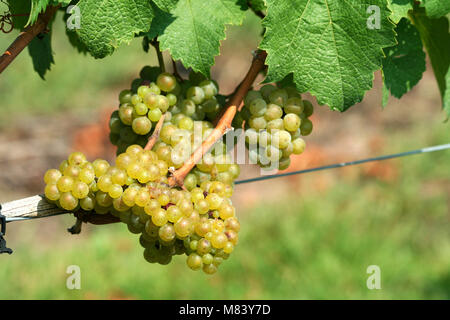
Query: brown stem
x,y
26,36
155,135
224,122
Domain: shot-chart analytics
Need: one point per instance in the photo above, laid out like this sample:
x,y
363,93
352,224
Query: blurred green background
x,y
308,237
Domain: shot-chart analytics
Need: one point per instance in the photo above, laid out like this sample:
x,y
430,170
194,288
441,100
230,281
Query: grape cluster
x,y
142,108
275,120
199,222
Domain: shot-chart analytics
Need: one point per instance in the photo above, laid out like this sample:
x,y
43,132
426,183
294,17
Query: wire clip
x,y
3,248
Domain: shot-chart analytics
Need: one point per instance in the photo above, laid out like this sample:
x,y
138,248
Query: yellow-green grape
x,y
142,197
88,203
123,160
228,191
266,90
281,139
258,107
306,127
142,125
223,162
183,227
203,228
76,159
72,171
203,246
100,167
207,163
80,189
273,125
252,95
154,88
207,258
226,211
308,108
209,88
299,146
134,150
87,175
65,184
52,176
119,177
151,206
142,91
129,196
154,115
172,99
140,109
51,192
162,167
273,153
258,123
135,99
162,103
232,224
202,206
167,232
294,105
217,226
232,236
291,122
196,94
279,97
163,199
186,207
174,214
284,163
159,217
104,182
115,191
286,152
68,201
190,182
103,199
126,114
93,186
125,96
209,268
64,164
219,240
234,170
228,248
217,187
166,82
273,112
194,261
214,201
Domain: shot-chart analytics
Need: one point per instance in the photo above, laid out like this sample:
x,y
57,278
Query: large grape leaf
x,y
166,5
105,24
19,11
405,63
436,8
194,35
160,22
257,5
436,38
328,46
400,9
38,6
40,50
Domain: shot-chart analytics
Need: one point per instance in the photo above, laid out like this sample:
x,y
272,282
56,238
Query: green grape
x,y
80,190
127,135
279,97
196,94
125,96
166,82
252,95
159,217
272,153
286,152
291,122
114,122
52,176
284,163
190,181
299,146
172,99
103,199
142,125
258,107
51,192
162,103
64,164
210,106
88,203
273,112
188,107
68,201
258,123
186,124
266,90
281,139
154,115
274,125
306,127
115,191
135,99
209,88
194,261
153,88
294,105
167,232
183,227
140,109
126,114
308,108
65,184
234,170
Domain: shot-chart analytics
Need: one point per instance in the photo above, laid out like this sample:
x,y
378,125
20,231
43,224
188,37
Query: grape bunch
x,y
199,222
153,95
275,121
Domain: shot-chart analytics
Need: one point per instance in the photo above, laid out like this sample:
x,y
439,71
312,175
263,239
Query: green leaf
x,y
436,8
39,6
400,9
405,63
160,22
166,5
19,10
106,24
257,5
40,50
194,35
436,38
327,45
